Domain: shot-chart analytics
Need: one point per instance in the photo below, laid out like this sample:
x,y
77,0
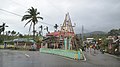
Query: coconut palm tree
x,y
9,33
32,18
56,26
46,29
2,28
13,33
40,32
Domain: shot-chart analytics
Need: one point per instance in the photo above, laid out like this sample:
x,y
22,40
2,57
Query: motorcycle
x,y
102,51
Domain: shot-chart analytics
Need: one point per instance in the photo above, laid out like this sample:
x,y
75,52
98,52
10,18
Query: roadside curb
x,y
112,55
83,55
76,55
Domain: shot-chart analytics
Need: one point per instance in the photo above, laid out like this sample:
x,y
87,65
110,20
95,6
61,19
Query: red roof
x,y
60,33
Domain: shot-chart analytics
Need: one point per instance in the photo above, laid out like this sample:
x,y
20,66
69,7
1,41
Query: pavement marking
x,y
27,55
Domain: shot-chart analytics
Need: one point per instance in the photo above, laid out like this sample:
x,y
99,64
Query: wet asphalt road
x,y
13,58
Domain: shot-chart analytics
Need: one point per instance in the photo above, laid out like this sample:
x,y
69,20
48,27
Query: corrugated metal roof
x,y
21,40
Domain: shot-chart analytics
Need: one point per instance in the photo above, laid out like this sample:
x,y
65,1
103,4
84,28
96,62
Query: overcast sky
x,y
94,15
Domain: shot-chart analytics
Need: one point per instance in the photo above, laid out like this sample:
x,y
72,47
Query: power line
x,y
46,23
10,12
43,14
24,6
22,16
18,3
60,10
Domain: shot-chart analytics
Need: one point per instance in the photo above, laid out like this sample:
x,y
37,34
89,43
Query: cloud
x,y
95,15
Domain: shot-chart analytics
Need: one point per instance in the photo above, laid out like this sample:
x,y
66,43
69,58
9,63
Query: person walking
x,y
94,48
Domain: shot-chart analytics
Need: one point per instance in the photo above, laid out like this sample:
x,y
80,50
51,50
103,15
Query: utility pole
x,y
82,34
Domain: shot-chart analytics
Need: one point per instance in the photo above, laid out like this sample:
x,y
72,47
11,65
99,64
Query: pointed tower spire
x,y
67,25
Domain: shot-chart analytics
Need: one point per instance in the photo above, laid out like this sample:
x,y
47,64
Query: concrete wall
x,y
67,53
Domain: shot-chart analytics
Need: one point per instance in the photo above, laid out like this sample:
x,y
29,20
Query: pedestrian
x,y
34,46
85,47
5,45
90,49
93,47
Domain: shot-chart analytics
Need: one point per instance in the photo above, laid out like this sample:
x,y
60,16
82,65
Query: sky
x,y
94,15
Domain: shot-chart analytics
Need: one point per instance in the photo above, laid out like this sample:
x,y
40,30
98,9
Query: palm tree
x,y
17,34
56,26
32,18
40,32
9,33
13,32
46,29
2,28
20,35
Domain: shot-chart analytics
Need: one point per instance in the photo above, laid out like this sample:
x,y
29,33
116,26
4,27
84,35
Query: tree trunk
x,y
33,31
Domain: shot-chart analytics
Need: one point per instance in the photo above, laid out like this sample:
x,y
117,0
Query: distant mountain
x,y
94,33
97,32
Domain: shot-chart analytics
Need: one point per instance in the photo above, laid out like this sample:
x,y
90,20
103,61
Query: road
x,y
13,58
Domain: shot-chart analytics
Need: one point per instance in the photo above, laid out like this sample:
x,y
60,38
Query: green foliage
x,y
32,18
1,40
13,32
114,32
20,35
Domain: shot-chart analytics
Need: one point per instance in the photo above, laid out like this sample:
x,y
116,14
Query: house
x,y
113,44
23,43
